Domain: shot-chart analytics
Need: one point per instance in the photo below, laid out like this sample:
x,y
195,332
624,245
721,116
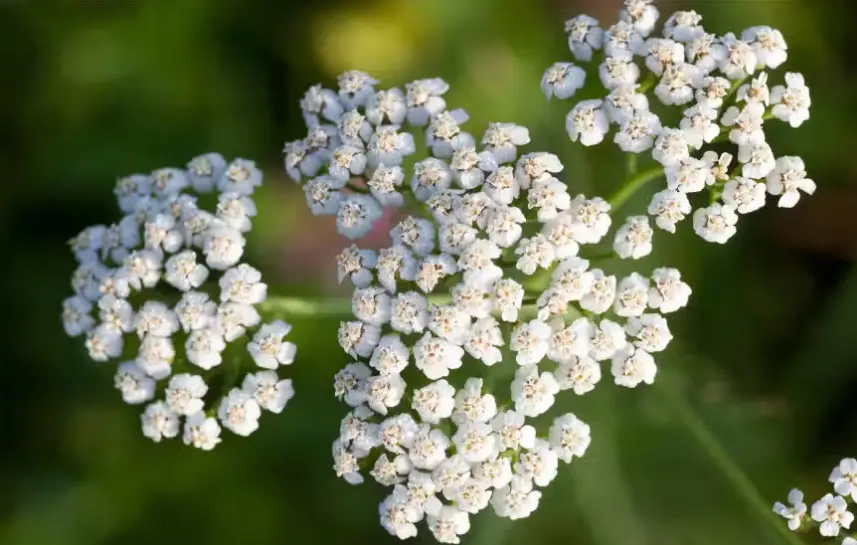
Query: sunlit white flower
x,y
569,437
562,80
683,26
617,72
794,514
159,422
669,207
448,523
533,393
268,349
424,100
607,339
638,132
769,45
744,195
787,180
791,102
428,449
649,332
631,366
584,35
758,160
579,374
715,223
268,390
484,341
601,295
699,125
204,348
831,511
668,292
622,40
587,122
623,102
202,432
136,387
634,238
516,500
671,147
677,84
435,357
740,59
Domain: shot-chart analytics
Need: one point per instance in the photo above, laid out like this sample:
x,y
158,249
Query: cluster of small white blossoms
x,y
169,275
830,514
453,291
720,84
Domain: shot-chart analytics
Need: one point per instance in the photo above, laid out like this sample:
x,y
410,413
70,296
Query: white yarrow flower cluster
x,y
721,85
830,515
446,302
164,291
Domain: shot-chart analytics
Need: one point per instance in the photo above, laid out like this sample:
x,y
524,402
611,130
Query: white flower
x,y
239,412
168,181
530,341
503,225
201,431
717,166
501,140
538,463
156,356
623,102
345,463
474,441
448,523
477,262
584,35
591,219
579,374
683,26
393,262
622,40
468,167
234,318
157,319
431,177
634,238
432,270
223,247
428,449
671,147
746,123
352,262
844,477
744,195
533,166
355,88
638,132
560,232
384,391
320,101
678,83
484,339
435,357
204,348
434,402
183,272
532,393
700,125
687,176
535,252
159,421
642,14
740,60
715,223
408,314
661,53
353,129
268,349
390,356
268,390
768,43
508,296
631,366
711,92
104,343
791,102
444,133
668,293
572,278
397,433
568,342
390,472
143,268
758,160
241,176
184,394
562,80
587,122
384,184
650,332
497,472
471,405
756,90
502,186
235,210
832,513
387,105
549,196
416,234
356,216
136,387
631,296
787,179
606,340
669,207
569,437
424,100
602,293
116,314
398,517
473,496
371,305
323,196
796,512
516,500
512,431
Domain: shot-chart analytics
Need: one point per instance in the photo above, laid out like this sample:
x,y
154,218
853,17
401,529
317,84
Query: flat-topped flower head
x,y
170,274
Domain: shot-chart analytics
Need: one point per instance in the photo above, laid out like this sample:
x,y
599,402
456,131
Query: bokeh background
x,y
756,395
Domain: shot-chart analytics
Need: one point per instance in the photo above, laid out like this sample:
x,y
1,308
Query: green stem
x,y
741,483
633,185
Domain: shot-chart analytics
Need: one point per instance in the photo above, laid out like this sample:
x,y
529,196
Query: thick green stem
x,y
633,185
736,477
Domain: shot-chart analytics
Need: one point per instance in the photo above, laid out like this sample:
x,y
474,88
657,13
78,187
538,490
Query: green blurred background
x,y
763,370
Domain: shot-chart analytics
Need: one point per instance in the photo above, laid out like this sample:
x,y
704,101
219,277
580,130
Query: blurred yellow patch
x,y
382,39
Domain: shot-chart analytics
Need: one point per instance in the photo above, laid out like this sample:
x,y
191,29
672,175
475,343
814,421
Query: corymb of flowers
x,y
830,515
490,301
164,291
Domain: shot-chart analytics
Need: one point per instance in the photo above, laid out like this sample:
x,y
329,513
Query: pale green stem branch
x,y
736,477
633,185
